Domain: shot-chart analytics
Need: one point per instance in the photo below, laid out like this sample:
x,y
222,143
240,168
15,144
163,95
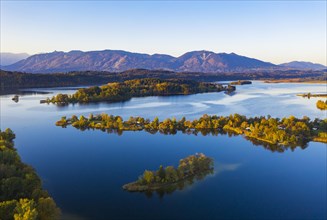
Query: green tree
x,y
25,210
148,176
161,173
47,209
171,174
7,209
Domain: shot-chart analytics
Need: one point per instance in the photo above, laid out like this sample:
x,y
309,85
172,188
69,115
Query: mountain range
x,y
118,60
303,65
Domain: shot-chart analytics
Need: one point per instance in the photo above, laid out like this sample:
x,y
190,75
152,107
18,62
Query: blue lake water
x,y
84,170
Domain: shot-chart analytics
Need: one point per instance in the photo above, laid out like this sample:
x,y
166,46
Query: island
x,y
189,167
289,131
322,105
21,193
241,82
123,91
15,98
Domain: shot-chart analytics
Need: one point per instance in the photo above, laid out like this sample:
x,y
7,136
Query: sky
x,y
272,31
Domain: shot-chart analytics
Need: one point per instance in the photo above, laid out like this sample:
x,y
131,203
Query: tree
x,y
161,173
7,209
171,174
148,176
47,209
25,210
8,135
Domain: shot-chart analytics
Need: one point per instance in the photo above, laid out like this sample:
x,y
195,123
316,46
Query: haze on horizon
x,y
276,32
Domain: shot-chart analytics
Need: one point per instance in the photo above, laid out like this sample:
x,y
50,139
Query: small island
x,y
123,91
189,167
15,98
241,82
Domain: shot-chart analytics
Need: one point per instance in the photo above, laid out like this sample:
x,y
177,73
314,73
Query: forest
x,y
11,81
289,131
322,105
123,91
21,193
194,165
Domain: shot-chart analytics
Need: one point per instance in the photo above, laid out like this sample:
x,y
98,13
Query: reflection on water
x,y
191,182
257,99
276,147
212,132
180,185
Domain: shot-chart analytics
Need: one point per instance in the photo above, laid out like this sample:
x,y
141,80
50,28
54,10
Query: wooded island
x,y
123,91
189,167
289,131
241,82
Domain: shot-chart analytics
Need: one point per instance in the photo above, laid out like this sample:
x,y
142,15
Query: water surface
x,y
84,171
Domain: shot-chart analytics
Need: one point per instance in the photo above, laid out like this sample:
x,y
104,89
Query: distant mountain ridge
x,y
118,60
303,65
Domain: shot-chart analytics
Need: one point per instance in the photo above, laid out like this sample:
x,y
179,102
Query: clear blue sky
x,y
273,31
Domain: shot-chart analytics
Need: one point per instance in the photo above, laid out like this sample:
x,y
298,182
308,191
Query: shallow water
x,y
84,171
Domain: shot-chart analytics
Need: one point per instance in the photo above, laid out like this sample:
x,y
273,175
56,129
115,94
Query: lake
x,y
85,170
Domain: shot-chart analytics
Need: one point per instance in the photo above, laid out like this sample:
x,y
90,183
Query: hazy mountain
x,y
10,58
303,65
116,60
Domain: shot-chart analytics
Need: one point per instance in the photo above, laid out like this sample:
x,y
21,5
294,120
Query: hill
x,y
303,65
117,61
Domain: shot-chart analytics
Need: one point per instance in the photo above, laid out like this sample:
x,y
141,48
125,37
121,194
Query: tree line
x,y
21,193
122,91
289,131
14,80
